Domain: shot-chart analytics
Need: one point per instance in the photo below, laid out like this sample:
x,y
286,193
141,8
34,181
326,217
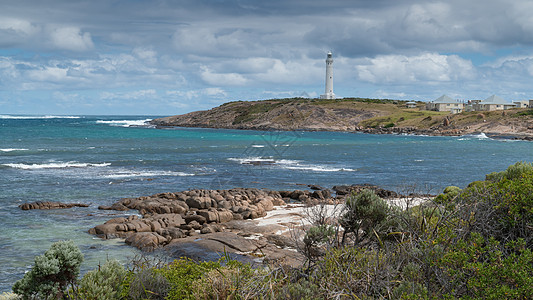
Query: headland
x,y
376,116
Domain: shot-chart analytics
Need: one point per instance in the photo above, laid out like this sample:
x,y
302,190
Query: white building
x,y
522,104
410,104
445,103
329,78
493,103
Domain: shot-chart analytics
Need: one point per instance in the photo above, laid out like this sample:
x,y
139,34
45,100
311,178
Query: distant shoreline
x,y
380,131
372,116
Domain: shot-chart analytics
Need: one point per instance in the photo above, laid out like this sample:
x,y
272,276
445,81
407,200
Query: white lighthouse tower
x,y
329,78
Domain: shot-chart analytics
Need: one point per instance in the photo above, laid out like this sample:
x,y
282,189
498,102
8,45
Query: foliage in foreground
x,y
52,272
474,243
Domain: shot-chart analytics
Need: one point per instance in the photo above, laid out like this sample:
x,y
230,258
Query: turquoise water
x,y
100,159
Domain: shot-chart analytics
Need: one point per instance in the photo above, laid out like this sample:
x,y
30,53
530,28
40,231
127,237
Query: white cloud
x,y
427,67
70,38
215,92
146,54
131,95
18,26
222,79
191,94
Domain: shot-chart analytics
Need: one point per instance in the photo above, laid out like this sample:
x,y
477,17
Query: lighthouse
x,y
329,78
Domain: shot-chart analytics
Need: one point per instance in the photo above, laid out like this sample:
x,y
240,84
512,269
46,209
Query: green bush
x,y
235,280
302,289
502,209
103,283
449,194
149,283
355,272
480,268
317,240
52,272
182,273
513,172
364,212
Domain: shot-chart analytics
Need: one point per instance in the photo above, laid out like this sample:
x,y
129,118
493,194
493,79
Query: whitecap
x,y
15,117
317,168
253,160
130,174
55,165
479,136
124,123
13,149
258,146
289,164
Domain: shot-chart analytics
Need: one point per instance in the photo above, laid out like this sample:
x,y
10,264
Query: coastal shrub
x,y
513,172
502,209
410,286
356,273
364,212
479,268
528,112
317,240
389,125
182,273
236,280
448,195
147,283
302,289
102,283
52,272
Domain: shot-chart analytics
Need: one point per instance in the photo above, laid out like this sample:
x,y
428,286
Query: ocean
x,y
100,159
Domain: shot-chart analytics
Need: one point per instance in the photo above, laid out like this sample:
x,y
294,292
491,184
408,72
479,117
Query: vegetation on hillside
x,y
472,243
352,114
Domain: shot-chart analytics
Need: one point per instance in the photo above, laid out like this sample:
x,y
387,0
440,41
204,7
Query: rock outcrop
x,y
200,221
170,216
50,205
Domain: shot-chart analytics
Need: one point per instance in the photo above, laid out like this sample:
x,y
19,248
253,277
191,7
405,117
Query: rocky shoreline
x,y
435,131
200,223
249,224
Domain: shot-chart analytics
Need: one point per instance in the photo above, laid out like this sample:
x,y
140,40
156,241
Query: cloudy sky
x,y
162,57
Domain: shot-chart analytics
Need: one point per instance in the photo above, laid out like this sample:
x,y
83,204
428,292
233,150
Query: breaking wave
x,y
15,117
124,123
289,164
12,149
55,165
479,136
130,174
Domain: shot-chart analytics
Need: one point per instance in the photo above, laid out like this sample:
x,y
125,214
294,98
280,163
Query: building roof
x,y
496,100
444,99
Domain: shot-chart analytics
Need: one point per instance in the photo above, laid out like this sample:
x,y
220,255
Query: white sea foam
x,y
289,164
13,149
36,117
253,160
479,136
124,123
55,165
130,174
258,146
